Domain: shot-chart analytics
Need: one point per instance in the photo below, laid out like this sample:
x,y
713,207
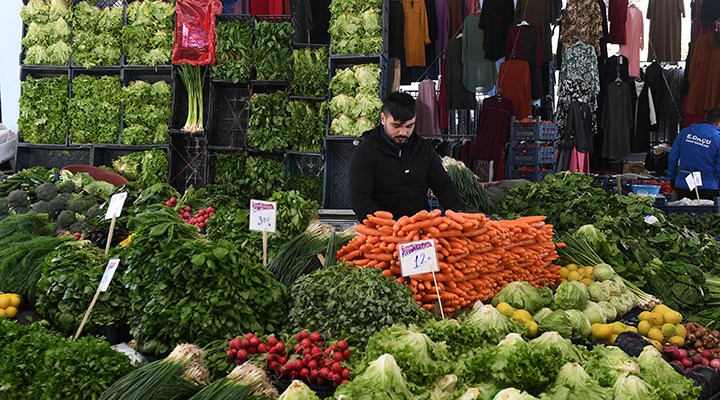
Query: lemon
x,y
644,327
680,330
657,344
564,272
618,327
602,331
505,309
521,316
673,317
586,281
573,276
10,312
571,267
15,300
677,341
2,313
644,316
661,309
531,329
588,271
668,330
581,271
656,319
655,334
4,301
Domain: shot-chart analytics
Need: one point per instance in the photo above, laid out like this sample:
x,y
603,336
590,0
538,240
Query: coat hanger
x,y
523,23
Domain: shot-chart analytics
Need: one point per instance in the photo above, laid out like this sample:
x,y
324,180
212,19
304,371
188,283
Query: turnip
x,y
686,362
697,359
715,363
682,354
705,362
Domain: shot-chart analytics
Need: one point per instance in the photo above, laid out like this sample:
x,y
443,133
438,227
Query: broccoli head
x,y
80,226
20,210
65,186
4,208
18,199
66,218
92,212
80,204
46,191
44,207
59,203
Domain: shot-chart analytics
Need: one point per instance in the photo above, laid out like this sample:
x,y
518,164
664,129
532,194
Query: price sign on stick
x,y
690,180
116,205
108,275
263,216
697,176
420,258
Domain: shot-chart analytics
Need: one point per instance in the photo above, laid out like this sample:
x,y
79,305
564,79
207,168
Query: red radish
x,y
324,372
297,348
242,354
304,372
273,357
180,216
249,335
343,344
346,353
252,349
239,361
336,368
272,341
697,359
314,336
328,352
345,373
245,343
707,354
336,378
344,381
274,365
338,356
320,381
280,347
254,341
283,360
320,343
312,364
305,342
262,348
303,335
715,363
705,361
686,362
235,343
313,375
232,353
682,354
211,209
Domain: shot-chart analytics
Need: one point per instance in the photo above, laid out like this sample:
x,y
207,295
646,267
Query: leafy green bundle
x,y
145,167
233,50
147,38
310,72
307,130
94,111
355,105
44,110
269,122
273,50
356,27
47,39
96,35
147,112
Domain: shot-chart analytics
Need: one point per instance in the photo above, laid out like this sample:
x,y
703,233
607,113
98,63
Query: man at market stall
x,y
393,167
697,149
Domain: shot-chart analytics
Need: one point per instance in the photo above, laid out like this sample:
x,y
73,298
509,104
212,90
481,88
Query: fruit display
x,y
663,325
9,303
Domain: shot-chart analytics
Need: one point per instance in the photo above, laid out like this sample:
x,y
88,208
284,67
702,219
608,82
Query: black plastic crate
x,y
39,72
188,160
104,3
534,154
533,130
338,151
104,155
50,156
147,74
309,164
229,115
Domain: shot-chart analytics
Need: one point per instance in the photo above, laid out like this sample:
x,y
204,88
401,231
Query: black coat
x,y
381,180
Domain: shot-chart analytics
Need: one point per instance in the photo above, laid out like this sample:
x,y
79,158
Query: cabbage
x,y
657,372
363,124
608,363
485,325
591,234
598,292
367,106
368,77
580,324
573,382
342,125
603,272
443,387
633,388
629,300
382,380
344,82
557,321
571,295
619,306
298,391
513,394
595,313
510,363
486,391
544,312
608,310
613,287
342,104
552,342
524,296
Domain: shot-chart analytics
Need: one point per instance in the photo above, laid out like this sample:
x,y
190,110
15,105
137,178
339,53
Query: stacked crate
x,y
532,150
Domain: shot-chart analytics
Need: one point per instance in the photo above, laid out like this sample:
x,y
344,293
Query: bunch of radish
x,y
684,359
309,359
198,219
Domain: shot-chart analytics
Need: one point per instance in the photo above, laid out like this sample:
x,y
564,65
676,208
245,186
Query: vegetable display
x,y
147,38
268,127
355,105
96,35
233,50
44,110
273,50
145,167
306,132
48,35
94,110
476,256
355,27
310,72
474,195
146,115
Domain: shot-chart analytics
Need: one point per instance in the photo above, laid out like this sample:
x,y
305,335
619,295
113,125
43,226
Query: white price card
x,y
108,275
418,257
690,181
697,176
116,205
263,215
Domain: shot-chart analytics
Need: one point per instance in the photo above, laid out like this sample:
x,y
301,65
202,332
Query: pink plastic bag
x,y
195,31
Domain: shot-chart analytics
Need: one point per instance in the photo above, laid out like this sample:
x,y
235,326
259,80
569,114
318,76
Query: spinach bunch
x,y
263,176
269,122
306,133
94,111
147,112
310,72
273,50
44,110
233,50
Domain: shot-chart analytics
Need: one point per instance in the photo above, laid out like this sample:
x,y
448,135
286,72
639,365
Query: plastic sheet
x,y
195,31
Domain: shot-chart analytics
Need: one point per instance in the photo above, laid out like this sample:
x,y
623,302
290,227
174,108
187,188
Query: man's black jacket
x,y
382,178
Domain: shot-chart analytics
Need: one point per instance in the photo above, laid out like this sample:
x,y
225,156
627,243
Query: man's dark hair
x,y
713,116
401,106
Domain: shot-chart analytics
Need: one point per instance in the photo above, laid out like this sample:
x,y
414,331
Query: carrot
x,y
448,233
386,272
428,306
383,264
351,255
422,224
361,262
419,216
384,214
372,239
385,230
382,221
365,230
395,270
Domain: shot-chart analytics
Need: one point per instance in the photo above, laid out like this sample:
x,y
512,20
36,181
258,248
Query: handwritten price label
x,y
108,275
263,215
418,257
116,205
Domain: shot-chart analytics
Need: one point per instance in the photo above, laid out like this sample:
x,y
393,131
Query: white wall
x,y
10,32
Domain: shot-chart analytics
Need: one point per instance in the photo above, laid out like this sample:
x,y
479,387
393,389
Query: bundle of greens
x,y
355,105
70,275
475,196
94,110
310,72
246,381
306,132
44,110
263,176
47,39
147,38
166,252
233,50
27,180
356,27
269,122
182,374
96,35
229,168
146,167
147,112
193,77
310,187
273,50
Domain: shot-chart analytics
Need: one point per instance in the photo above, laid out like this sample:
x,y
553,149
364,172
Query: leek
x,y
193,79
246,381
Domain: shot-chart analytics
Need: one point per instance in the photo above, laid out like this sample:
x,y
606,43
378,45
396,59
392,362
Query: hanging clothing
x,y
514,84
396,31
493,130
496,18
302,14
575,90
709,13
427,122
456,17
704,74
665,29
430,52
617,13
605,38
443,100
471,7
241,7
459,98
655,82
443,23
635,41
579,127
524,43
478,71
582,22
579,162
321,21
671,120
644,117
266,7
542,14
416,32
580,62
617,120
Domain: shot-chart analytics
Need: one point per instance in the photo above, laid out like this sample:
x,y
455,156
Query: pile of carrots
x,y
476,256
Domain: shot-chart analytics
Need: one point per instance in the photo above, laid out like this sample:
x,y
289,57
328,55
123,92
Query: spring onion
x,y
193,78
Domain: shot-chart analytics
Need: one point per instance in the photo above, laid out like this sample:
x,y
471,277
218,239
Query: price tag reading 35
x,y
418,257
263,215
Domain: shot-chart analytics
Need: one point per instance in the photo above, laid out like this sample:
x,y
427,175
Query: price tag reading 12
x,y
263,215
418,257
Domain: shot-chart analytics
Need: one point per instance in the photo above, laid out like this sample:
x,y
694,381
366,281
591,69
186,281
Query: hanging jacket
x,y
696,149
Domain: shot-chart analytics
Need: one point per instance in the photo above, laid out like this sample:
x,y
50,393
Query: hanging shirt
x,y
665,29
495,20
524,42
396,31
478,71
427,123
704,75
617,14
542,14
514,84
266,7
456,17
415,32
580,62
582,22
644,117
634,42
443,22
617,120
493,129
459,98
575,90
